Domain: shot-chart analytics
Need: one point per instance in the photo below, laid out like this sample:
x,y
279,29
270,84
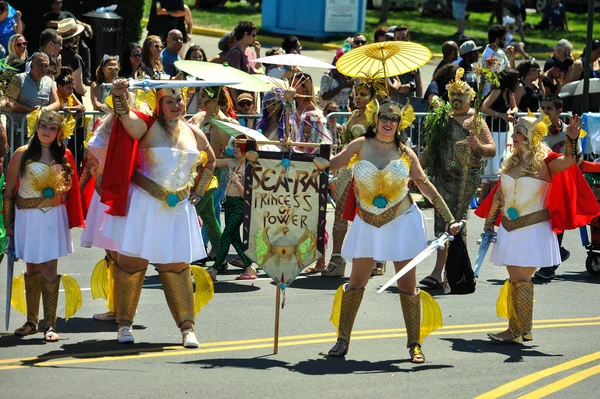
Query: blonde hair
x,y
146,56
531,157
11,46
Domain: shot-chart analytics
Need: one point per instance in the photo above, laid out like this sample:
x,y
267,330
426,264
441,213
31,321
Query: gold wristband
x,y
205,179
8,206
442,208
121,106
571,148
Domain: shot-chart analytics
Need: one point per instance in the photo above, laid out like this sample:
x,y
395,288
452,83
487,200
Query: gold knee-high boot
x,y
33,292
523,303
128,288
179,293
411,310
50,301
350,304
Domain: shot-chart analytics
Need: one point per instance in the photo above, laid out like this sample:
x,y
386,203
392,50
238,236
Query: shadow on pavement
x,y
577,276
514,353
321,366
94,349
318,283
221,286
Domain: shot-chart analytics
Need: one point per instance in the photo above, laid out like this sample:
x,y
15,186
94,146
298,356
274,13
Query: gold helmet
x,y
167,92
535,128
390,108
66,125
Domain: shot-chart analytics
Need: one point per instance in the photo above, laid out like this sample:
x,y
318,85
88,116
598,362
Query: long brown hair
x,y
146,56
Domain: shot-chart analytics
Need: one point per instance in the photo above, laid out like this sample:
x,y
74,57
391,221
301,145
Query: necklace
x,y
384,142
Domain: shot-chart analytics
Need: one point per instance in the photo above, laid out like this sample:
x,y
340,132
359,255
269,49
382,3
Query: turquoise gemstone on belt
x,y
172,200
286,162
512,213
48,192
380,201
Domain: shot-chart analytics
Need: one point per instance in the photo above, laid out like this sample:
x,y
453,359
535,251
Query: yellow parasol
x,y
383,59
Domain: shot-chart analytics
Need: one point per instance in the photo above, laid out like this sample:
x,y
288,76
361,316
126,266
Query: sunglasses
x,y
245,103
386,119
177,39
360,42
22,44
113,69
158,46
135,55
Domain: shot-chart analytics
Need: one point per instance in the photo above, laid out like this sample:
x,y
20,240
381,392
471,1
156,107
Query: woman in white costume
x,y
389,226
42,186
525,238
160,224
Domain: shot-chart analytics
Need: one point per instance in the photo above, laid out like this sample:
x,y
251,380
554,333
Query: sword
x,y
10,260
147,84
484,244
437,244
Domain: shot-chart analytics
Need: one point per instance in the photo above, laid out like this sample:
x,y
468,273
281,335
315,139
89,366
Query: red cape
x,y
571,203
121,162
351,209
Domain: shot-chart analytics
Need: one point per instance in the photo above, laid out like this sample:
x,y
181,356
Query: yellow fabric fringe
x,y
73,298
204,288
336,309
504,306
432,315
17,299
99,281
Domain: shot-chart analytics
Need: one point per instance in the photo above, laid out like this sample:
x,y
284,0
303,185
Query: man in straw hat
x,y
454,156
70,31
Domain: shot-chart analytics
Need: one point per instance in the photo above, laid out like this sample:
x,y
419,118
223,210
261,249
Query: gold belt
x,y
39,202
387,216
172,198
525,220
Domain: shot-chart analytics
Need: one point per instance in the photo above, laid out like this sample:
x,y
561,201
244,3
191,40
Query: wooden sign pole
x,y
276,333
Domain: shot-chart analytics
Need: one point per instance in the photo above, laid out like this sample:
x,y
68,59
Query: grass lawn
x,y
430,32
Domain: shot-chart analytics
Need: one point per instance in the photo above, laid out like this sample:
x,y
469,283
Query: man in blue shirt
x,y
555,17
170,54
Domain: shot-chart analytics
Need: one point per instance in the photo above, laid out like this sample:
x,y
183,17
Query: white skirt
x,y
42,236
91,235
156,232
401,239
531,246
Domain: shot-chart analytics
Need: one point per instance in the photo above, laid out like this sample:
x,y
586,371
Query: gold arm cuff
x,y
204,181
440,205
495,209
8,206
121,106
571,148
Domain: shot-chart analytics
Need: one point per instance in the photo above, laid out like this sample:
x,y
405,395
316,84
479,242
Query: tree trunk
x,y
385,10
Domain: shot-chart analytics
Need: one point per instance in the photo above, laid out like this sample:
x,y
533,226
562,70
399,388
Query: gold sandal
x,y
379,269
416,354
335,269
20,332
340,349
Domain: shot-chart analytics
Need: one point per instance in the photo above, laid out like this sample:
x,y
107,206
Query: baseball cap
x,y
468,47
389,34
245,96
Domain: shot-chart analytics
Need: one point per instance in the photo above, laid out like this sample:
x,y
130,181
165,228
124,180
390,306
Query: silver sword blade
x,y
431,248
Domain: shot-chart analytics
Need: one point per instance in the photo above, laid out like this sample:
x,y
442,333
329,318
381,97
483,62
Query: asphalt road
x,y
236,358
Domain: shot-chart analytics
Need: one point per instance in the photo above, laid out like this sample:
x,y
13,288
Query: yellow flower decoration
x,y
371,112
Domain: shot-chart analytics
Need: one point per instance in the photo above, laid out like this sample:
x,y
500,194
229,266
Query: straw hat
x,y
69,28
